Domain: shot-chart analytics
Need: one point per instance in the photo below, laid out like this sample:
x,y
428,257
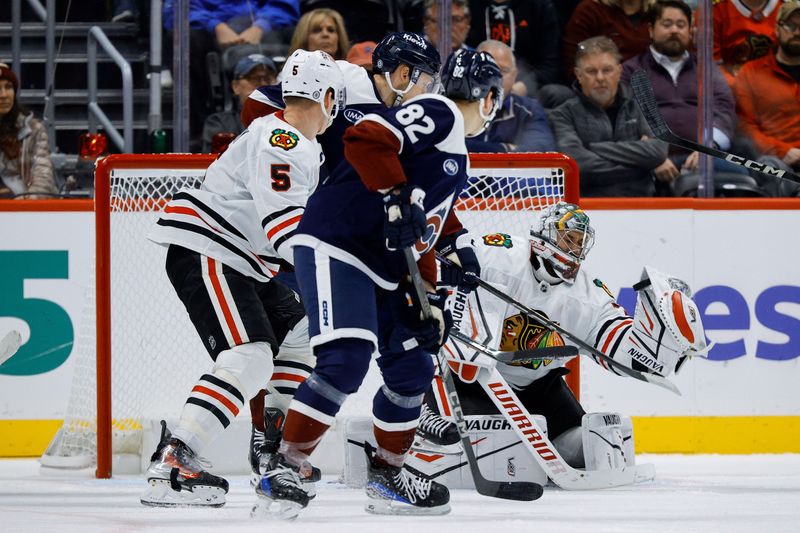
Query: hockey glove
x,y
460,251
405,220
411,330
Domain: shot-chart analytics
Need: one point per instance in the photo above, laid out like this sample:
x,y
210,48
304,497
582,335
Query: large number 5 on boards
x,y
415,122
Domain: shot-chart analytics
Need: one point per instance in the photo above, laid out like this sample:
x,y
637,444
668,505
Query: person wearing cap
x,y
25,167
767,94
250,72
361,54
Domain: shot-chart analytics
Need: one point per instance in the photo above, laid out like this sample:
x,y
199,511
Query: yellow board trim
x,y
662,434
26,438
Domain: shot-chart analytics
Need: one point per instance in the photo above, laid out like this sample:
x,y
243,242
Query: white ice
x,y
694,493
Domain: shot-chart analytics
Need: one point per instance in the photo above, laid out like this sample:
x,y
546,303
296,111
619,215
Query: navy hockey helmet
x,y
471,76
406,48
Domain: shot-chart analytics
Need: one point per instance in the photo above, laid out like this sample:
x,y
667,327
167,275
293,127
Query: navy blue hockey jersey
x,y
420,142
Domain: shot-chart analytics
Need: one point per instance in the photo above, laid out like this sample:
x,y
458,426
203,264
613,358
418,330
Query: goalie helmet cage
x,y
130,352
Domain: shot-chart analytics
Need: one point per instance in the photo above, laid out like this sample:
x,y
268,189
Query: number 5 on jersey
x,y
415,122
281,181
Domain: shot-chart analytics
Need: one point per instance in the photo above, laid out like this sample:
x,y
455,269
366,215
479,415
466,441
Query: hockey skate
x,y
177,477
394,490
280,491
263,445
435,433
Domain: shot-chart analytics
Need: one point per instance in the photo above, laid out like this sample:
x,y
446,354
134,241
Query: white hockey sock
x,y
212,405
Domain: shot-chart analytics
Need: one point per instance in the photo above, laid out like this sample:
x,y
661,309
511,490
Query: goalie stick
x,y
9,345
583,345
643,92
508,490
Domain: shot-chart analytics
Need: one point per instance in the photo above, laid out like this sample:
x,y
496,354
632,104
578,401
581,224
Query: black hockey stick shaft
x,y
516,356
583,345
646,98
507,490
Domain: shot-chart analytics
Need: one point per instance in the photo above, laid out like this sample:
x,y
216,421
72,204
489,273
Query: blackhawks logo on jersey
x,y
498,239
520,332
284,139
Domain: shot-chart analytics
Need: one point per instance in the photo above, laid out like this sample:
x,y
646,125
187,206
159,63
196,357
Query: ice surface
x,y
702,493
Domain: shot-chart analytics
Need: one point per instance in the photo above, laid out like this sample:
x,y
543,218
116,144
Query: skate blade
x,y
269,509
159,493
394,507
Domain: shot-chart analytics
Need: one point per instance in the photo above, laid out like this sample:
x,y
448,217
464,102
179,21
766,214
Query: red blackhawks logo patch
x,y
283,139
498,239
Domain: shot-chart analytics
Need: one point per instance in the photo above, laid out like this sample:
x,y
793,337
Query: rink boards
x,y
740,257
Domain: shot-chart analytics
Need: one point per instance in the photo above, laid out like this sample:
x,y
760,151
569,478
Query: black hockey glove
x,y
460,247
405,220
429,334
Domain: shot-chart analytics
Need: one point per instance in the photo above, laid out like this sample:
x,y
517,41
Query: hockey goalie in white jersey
x,y
226,243
543,271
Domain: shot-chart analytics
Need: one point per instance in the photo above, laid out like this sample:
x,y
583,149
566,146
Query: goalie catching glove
x,y
405,216
465,271
411,329
667,327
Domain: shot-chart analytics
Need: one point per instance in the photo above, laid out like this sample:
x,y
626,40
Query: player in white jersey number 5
x,y
226,242
543,271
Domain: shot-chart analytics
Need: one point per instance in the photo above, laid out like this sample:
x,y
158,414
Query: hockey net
x,y
137,356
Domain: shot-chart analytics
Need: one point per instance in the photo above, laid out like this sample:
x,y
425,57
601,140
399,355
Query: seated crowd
x,y
565,64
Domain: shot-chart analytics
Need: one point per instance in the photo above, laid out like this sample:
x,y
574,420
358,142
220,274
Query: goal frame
x,y
102,208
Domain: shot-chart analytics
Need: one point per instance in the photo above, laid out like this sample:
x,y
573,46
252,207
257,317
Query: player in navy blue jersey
x,y
404,65
404,169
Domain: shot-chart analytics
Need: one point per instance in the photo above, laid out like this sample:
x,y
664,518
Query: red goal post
x,y
502,188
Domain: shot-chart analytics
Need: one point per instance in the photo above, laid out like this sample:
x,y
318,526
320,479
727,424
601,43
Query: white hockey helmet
x,y
311,75
561,239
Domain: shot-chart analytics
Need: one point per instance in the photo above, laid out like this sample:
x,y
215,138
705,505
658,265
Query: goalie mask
x,y
560,240
311,75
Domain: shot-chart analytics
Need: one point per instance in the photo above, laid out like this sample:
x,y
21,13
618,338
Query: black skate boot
x,y
264,445
394,490
436,430
177,477
280,491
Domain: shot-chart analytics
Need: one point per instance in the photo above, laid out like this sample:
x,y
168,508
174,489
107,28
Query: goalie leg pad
x,y
607,441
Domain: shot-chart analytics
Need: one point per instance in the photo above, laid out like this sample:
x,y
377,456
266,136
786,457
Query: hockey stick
x,y
9,345
583,345
536,442
517,356
643,92
508,490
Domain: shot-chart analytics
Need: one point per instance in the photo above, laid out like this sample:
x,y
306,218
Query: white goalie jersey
x,y
250,202
585,308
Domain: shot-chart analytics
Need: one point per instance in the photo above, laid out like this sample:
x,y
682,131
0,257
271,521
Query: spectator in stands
x,y
743,31
673,73
250,72
217,25
25,167
603,129
530,28
768,98
459,24
321,29
361,54
623,21
521,123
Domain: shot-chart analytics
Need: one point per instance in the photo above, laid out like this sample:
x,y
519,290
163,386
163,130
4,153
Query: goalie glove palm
x,y
405,220
460,251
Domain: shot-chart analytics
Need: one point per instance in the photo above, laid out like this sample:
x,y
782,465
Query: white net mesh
x,y
156,355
